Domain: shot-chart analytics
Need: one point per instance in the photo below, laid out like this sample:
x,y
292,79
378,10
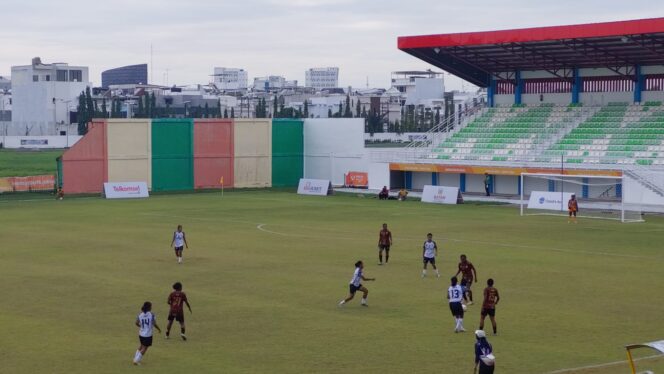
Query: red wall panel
x,y
213,153
84,166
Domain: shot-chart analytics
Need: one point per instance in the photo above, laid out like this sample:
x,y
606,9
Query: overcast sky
x,y
268,37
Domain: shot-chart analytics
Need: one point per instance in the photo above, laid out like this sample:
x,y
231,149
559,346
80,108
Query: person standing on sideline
x,y
176,300
429,253
384,243
145,322
572,207
484,358
356,285
468,273
455,295
491,299
179,242
487,183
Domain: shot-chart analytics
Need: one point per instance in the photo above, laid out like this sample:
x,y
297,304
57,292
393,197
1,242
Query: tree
x,y
225,112
339,113
329,113
96,110
140,111
437,117
207,111
306,109
274,107
397,127
147,106
82,115
118,111
104,111
90,106
347,112
358,108
364,112
217,111
232,112
153,105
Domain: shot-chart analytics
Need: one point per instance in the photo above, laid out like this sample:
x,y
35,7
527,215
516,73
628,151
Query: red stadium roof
x,y
475,56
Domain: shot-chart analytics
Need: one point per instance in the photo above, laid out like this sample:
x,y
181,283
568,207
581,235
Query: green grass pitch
x,y
266,270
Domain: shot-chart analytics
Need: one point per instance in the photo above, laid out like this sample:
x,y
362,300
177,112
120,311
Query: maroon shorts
x,y
176,316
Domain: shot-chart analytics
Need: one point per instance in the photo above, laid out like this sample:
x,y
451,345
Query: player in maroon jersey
x,y
469,274
175,300
491,299
384,243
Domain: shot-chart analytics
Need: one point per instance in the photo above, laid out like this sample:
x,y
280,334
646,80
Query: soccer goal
x,y
599,197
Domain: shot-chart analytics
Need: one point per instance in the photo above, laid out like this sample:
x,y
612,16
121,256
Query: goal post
x,y
598,196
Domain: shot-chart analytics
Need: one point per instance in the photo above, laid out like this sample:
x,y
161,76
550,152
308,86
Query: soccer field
x,y
266,269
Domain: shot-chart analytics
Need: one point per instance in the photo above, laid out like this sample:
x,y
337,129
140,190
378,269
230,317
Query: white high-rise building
x,y
43,95
231,78
320,78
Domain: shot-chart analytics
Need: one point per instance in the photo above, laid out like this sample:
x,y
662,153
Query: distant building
x,y
418,86
5,83
43,95
272,82
132,74
320,78
231,79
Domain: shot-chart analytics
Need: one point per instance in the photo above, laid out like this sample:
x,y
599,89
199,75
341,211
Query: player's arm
x,y
472,268
186,301
458,271
435,248
169,300
185,239
137,323
497,298
423,249
367,279
154,321
390,236
173,241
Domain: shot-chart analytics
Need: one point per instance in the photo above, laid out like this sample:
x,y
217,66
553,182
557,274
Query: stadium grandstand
x,y
570,100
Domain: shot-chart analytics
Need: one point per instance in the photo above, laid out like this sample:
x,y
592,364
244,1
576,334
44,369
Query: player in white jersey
x,y
355,284
455,296
179,242
429,253
145,322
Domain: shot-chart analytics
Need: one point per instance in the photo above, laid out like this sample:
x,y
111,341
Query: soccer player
x,y
355,285
145,322
455,295
384,243
175,300
429,253
179,242
468,273
491,299
573,208
484,358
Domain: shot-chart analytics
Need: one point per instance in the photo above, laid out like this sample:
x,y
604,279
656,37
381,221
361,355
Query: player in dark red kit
x,y
491,299
384,243
469,274
176,300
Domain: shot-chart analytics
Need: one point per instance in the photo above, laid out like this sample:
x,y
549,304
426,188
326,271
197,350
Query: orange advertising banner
x,y
24,184
496,170
357,179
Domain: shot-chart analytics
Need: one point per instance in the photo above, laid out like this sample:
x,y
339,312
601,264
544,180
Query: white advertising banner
x,y
125,190
549,200
319,187
440,194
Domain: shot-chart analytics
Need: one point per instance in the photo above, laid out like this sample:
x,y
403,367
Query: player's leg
x,y
380,255
460,316
482,317
350,297
180,319
433,263
469,292
138,355
365,293
169,325
387,254
492,316
180,255
424,268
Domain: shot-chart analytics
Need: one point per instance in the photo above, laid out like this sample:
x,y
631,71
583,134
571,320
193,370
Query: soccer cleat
x,y
168,336
461,329
136,363
183,337
470,303
365,304
380,263
438,275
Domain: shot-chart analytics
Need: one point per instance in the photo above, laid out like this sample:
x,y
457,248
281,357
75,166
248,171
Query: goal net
x,y
599,197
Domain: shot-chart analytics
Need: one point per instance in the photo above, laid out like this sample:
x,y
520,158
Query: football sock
x,y
342,302
456,324
495,329
138,356
387,258
380,257
424,273
179,259
364,300
182,330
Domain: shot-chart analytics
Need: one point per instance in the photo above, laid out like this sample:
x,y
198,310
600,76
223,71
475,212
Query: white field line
x,y
262,227
588,367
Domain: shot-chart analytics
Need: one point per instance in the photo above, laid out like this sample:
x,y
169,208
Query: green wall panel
x,y
172,154
287,152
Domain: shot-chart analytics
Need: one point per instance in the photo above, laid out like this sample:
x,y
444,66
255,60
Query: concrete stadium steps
x,y
506,134
617,134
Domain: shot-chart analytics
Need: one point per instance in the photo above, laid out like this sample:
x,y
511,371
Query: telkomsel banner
x,y
125,190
